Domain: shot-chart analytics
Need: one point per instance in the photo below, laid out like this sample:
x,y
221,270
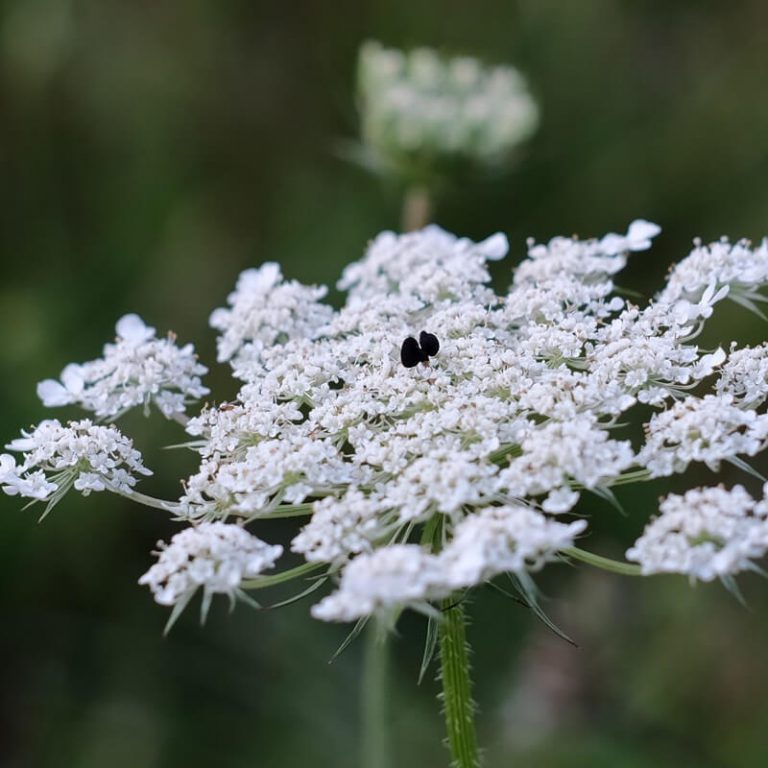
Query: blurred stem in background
x,y
417,209
375,695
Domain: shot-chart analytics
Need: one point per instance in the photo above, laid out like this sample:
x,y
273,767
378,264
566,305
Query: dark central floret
x,y
413,352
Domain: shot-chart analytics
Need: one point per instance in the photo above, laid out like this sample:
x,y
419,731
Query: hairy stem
x,y
458,707
417,209
375,692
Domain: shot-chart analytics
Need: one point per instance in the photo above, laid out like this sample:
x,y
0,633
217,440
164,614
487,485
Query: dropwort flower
x,y
81,454
421,470
416,482
138,369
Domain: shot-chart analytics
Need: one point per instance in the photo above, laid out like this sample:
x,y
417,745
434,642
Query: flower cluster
x,y
81,454
138,369
709,429
495,540
745,376
418,106
214,556
264,311
738,267
706,534
415,483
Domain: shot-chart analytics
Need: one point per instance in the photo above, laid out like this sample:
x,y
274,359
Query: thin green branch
x,y
260,582
148,501
284,511
614,566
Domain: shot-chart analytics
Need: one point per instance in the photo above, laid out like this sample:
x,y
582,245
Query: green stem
x,y
375,746
458,707
285,510
181,418
147,501
614,566
260,582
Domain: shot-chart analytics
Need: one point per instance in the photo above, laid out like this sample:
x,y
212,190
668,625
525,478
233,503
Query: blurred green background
x,y
149,151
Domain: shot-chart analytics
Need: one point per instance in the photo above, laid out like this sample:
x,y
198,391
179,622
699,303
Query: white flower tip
x,y
53,394
72,378
613,244
133,329
7,465
638,238
712,360
640,233
494,247
21,444
718,356
560,500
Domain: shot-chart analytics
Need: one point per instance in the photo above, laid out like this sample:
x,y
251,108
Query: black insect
x,y
414,352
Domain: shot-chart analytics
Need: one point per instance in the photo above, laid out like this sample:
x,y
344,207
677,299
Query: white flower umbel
x,y
424,268
138,369
385,580
412,482
737,266
420,105
709,429
79,454
705,534
214,556
340,528
745,376
509,538
266,310
558,454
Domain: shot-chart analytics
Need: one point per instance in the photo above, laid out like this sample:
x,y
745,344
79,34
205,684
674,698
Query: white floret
x,y
391,577
216,557
709,430
503,539
706,533
56,457
265,310
138,369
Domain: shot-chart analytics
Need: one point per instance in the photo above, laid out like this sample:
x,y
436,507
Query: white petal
x,y
613,244
53,394
7,466
711,361
721,294
132,329
494,247
21,444
640,233
72,378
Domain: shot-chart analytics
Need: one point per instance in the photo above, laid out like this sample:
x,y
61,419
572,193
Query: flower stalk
x,y
458,706
375,694
598,561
